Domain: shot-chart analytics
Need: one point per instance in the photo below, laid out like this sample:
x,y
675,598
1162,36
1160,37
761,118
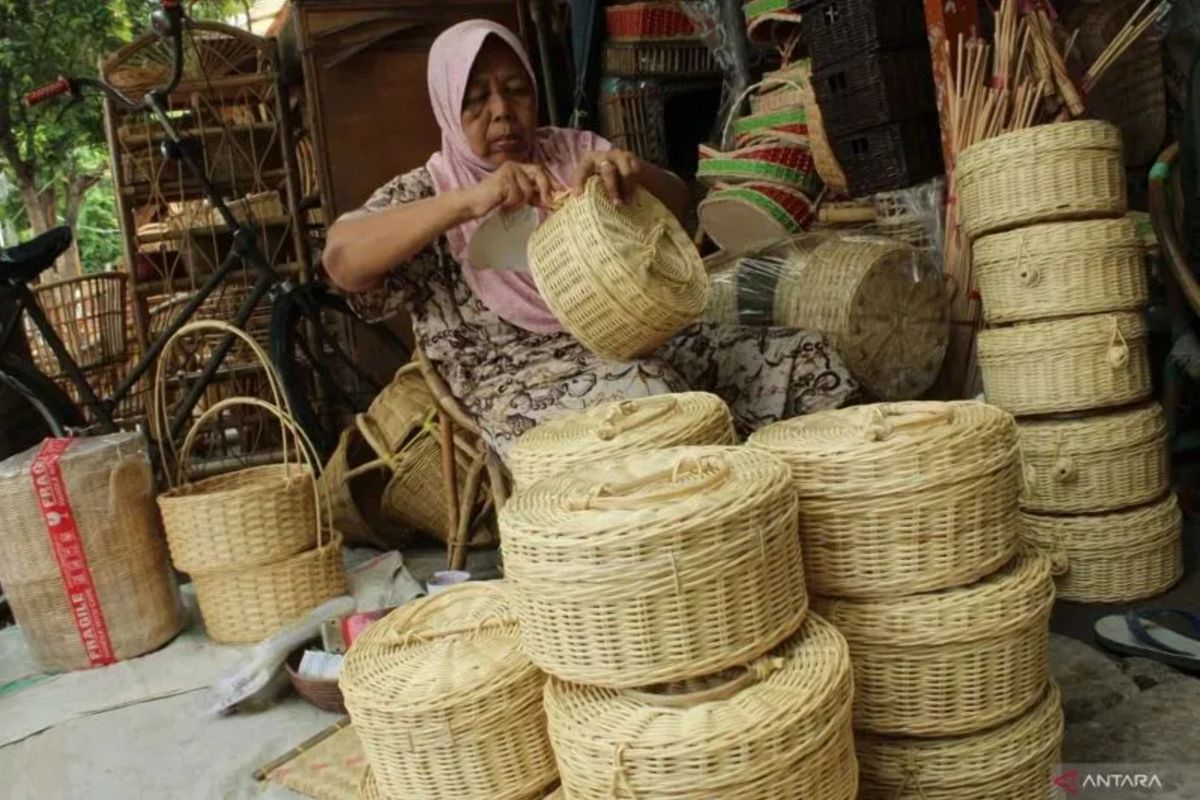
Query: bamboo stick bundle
x,y
1133,30
1043,35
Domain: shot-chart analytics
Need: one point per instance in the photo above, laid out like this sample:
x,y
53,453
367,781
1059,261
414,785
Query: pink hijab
x,y
513,296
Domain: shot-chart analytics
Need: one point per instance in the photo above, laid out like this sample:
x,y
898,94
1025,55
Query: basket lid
x,y
1042,141
1052,238
1095,434
1114,331
1117,532
451,649
886,448
1013,598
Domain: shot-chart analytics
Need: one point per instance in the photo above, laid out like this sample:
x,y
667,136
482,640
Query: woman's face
x,y
499,113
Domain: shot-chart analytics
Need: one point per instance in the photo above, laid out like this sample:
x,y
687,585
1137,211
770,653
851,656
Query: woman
x,y
488,331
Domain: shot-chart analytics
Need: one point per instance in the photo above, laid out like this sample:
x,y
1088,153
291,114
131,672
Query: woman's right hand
x,y
511,186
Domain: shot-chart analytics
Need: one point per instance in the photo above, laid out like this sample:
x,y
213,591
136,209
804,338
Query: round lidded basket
x,y
1059,171
949,662
655,566
1014,760
882,304
900,498
1064,365
1116,557
1061,269
1096,463
623,279
777,729
445,703
620,428
742,218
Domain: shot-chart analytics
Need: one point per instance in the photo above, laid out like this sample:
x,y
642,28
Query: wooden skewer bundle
x,y
1130,33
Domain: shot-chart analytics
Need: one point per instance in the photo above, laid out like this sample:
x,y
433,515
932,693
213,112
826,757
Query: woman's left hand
x,y
621,171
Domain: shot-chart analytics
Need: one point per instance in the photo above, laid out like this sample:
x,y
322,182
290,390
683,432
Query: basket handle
x,y
368,428
713,470
736,106
887,418
625,417
303,445
746,677
1118,348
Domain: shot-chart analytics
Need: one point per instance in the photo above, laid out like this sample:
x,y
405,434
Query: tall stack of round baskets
x,y
1063,281
909,523
258,542
663,592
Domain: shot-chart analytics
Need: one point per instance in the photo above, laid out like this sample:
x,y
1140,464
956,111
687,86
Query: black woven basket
x,y
836,30
875,89
891,156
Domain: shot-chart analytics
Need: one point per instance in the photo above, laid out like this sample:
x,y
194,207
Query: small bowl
x,y
324,694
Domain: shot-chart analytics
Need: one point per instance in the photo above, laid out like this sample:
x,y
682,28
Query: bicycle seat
x,y
24,262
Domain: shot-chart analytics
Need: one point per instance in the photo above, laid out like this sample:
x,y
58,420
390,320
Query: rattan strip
x,y
778,729
1059,366
623,279
1060,171
1115,557
656,566
1061,269
1011,762
620,428
949,662
1095,464
444,702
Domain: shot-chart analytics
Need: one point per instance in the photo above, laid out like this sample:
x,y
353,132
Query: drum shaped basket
x,y
950,662
1061,269
1112,558
1015,760
900,498
1065,365
881,303
445,703
1095,463
777,729
656,566
1060,171
620,428
742,218
623,279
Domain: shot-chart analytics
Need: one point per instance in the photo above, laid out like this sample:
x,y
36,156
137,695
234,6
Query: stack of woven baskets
x,y
909,523
1061,274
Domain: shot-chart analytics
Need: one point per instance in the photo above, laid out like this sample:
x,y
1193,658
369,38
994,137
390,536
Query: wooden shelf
x,y
208,230
155,134
180,191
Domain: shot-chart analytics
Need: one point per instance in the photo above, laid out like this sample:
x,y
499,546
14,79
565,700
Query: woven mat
x,y
327,767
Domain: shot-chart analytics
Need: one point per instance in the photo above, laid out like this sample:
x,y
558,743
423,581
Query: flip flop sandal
x,y
1137,633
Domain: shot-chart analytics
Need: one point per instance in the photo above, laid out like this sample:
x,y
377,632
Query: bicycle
x,y
313,362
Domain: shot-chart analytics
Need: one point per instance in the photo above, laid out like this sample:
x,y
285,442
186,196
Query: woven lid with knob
x,y
1094,434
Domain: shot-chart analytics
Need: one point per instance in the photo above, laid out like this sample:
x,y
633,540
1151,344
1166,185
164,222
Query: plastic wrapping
x,y
881,302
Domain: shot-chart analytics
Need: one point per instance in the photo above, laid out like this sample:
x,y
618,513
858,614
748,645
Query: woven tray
x,y
1066,365
892,156
1112,558
655,566
742,218
874,89
1015,760
656,21
622,279
1061,171
445,704
1096,463
881,304
900,498
618,429
1060,269
778,729
691,59
951,662
841,30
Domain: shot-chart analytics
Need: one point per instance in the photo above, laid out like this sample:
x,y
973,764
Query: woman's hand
x,y
508,188
621,171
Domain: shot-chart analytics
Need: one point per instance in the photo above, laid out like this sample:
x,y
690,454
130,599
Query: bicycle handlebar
x,y
49,91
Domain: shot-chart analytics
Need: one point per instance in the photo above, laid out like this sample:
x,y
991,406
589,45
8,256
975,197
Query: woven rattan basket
x,y
653,59
1112,558
1096,463
837,31
88,314
618,429
655,566
777,729
402,406
445,703
623,279
950,662
784,88
881,303
353,482
783,125
1015,760
900,498
1066,365
722,305
1060,269
751,215
773,162
872,89
654,21
1061,171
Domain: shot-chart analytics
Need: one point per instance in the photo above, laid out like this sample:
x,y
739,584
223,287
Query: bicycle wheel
x,y
315,341
32,407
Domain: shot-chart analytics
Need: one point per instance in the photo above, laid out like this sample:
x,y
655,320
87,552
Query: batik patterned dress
x,y
510,379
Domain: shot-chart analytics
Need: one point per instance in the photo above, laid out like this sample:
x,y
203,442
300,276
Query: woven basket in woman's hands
x,y
623,279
